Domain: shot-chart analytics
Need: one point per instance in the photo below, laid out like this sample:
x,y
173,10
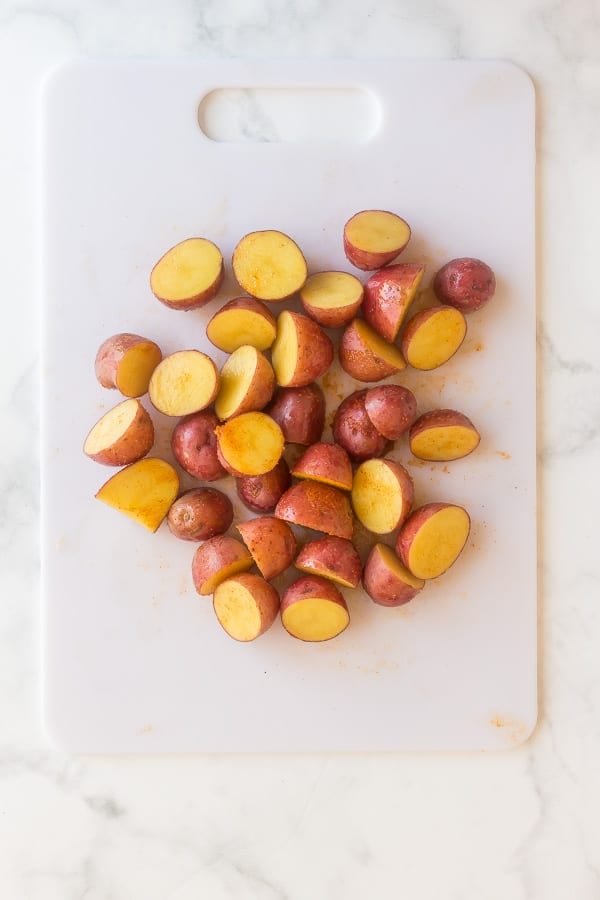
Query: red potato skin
x,y
194,446
214,555
111,352
382,585
331,554
311,586
328,461
300,413
465,283
271,543
438,418
392,409
200,514
244,303
315,351
385,302
415,521
261,493
317,506
354,431
359,361
133,445
366,260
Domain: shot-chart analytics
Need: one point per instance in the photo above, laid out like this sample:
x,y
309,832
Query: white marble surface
x,y
517,826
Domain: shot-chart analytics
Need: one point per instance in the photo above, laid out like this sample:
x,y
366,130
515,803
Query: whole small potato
x,y
200,514
261,493
465,283
354,431
300,413
194,446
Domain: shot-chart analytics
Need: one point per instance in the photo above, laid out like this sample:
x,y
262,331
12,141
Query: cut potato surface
x,y
312,609
122,436
144,491
433,336
443,435
239,322
269,265
377,231
188,275
250,444
246,606
381,495
434,539
332,290
126,361
301,352
247,383
184,382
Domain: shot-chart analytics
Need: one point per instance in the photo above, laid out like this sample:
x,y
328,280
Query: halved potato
x,y
433,336
126,362
312,609
184,382
261,493
123,435
443,435
365,355
333,558
271,543
243,320
386,579
300,413
301,352
249,444
374,237
354,431
247,383
388,295
246,606
328,463
332,298
382,495
432,538
317,506
217,559
269,265
188,275
144,491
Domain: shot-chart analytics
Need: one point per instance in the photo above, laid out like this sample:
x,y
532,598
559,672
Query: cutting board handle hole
x,y
290,115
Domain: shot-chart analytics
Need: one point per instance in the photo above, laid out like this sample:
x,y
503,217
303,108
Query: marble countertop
x,y
521,825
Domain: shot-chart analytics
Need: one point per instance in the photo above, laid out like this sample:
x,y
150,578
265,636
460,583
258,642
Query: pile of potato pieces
x,y
238,421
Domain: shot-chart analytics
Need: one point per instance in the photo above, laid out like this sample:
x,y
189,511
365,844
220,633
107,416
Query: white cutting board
x,y
134,660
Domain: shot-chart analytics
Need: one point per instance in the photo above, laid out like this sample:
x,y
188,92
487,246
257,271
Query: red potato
x,y
374,237
386,580
143,491
388,295
269,265
312,609
433,336
184,382
188,275
261,493
432,538
216,560
333,558
271,543
301,352
247,383
126,362
194,446
200,514
249,444
328,463
243,320
122,436
382,495
443,435
300,413
465,283
391,408
332,298
246,606
364,354
317,506
354,431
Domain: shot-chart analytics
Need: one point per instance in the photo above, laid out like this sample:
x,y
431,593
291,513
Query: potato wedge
x,y
443,435
382,495
388,295
194,446
200,514
271,543
216,560
144,491
374,237
269,265
317,506
301,352
465,283
246,606
188,275
122,436
261,493
247,382
433,336
333,558
332,298
184,382
365,355
242,321
354,431
126,362
432,538
391,408
249,444
300,413
386,579
327,463
312,609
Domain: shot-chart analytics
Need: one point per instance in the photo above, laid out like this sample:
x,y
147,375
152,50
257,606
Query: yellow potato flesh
x,y
396,566
111,427
377,232
136,368
144,491
183,383
236,377
436,340
376,497
187,270
315,619
251,444
381,348
444,442
332,290
269,265
438,542
284,355
238,327
237,611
